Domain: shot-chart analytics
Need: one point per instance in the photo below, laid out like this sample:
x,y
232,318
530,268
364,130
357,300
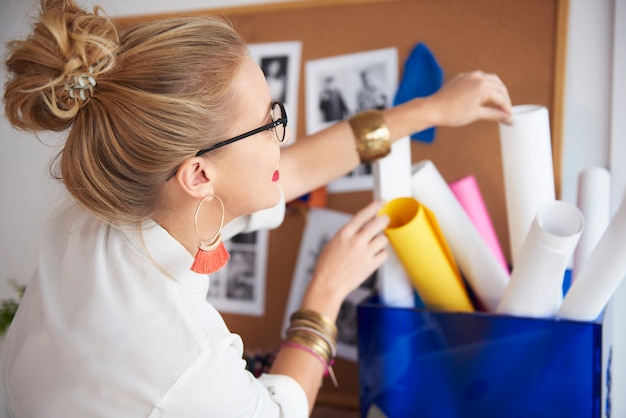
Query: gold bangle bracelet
x,y
314,345
332,333
317,318
304,330
371,135
313,335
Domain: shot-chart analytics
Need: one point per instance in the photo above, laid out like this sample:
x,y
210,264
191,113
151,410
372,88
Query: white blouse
x,y
115,324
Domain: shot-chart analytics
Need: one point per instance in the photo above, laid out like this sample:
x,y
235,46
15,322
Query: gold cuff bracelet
x,y
371,135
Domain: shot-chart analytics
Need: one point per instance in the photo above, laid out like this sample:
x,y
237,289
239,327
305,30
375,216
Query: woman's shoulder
x,y
68,213
65,220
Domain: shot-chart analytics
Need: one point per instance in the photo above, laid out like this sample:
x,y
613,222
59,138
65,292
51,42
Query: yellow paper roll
x,y
420,246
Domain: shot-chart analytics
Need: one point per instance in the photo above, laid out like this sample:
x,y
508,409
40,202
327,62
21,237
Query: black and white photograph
x,y
275,70
370,94
239,287
281,63
322,225
341,86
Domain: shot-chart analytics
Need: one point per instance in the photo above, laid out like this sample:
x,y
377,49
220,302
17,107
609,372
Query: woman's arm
x,y
329,154
358,249
352,255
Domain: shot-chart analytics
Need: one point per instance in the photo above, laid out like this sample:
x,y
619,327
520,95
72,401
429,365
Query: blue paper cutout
x,y
422,77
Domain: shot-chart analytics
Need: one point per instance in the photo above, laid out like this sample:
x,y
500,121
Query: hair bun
x,y
54,72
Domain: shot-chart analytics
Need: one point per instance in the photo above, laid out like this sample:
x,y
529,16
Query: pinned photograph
x,y
341,86
239,287
280,63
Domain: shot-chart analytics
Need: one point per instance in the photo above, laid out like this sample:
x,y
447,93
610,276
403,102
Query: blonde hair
x,y
161,95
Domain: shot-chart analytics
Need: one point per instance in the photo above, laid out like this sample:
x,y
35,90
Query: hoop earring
x,y
212,254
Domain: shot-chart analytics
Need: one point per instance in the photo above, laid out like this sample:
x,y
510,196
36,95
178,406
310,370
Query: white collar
x,y
168,254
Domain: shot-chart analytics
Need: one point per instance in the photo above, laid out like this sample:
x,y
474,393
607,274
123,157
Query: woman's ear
x,y
195,178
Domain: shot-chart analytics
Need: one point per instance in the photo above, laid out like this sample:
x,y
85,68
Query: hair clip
x,y
82,83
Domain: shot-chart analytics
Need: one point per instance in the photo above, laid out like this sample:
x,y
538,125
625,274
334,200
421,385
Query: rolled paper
x,y
392,174
468,194
535,288
415,236
392,179
594,201
601,275
484,274
528,172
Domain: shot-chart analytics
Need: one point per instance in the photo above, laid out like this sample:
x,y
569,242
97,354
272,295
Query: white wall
x,y
26,192
140,7
618,168
587,87
618,102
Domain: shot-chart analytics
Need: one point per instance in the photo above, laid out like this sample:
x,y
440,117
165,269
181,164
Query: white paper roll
x,y
535,288
484,274
594,201
392,179
392,174
602,273
527,166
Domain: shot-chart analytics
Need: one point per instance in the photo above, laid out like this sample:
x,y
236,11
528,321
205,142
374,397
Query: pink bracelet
x,y
329,366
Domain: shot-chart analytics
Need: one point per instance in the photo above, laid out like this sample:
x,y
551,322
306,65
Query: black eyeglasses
x,y
278,125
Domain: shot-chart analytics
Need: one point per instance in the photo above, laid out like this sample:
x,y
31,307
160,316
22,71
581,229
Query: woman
x,y
171,133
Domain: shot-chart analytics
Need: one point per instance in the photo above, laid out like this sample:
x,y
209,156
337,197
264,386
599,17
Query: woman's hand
x,y
350,257
470,97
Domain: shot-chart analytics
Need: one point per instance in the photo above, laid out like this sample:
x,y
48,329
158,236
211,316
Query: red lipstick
x,y
276,176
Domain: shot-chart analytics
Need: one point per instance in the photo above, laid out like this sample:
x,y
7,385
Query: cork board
x,y
522,41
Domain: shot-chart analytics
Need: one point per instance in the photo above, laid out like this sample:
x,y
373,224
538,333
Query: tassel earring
x,y
212,254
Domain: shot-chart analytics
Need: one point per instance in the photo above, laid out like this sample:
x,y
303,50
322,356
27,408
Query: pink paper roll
x,y
469,196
